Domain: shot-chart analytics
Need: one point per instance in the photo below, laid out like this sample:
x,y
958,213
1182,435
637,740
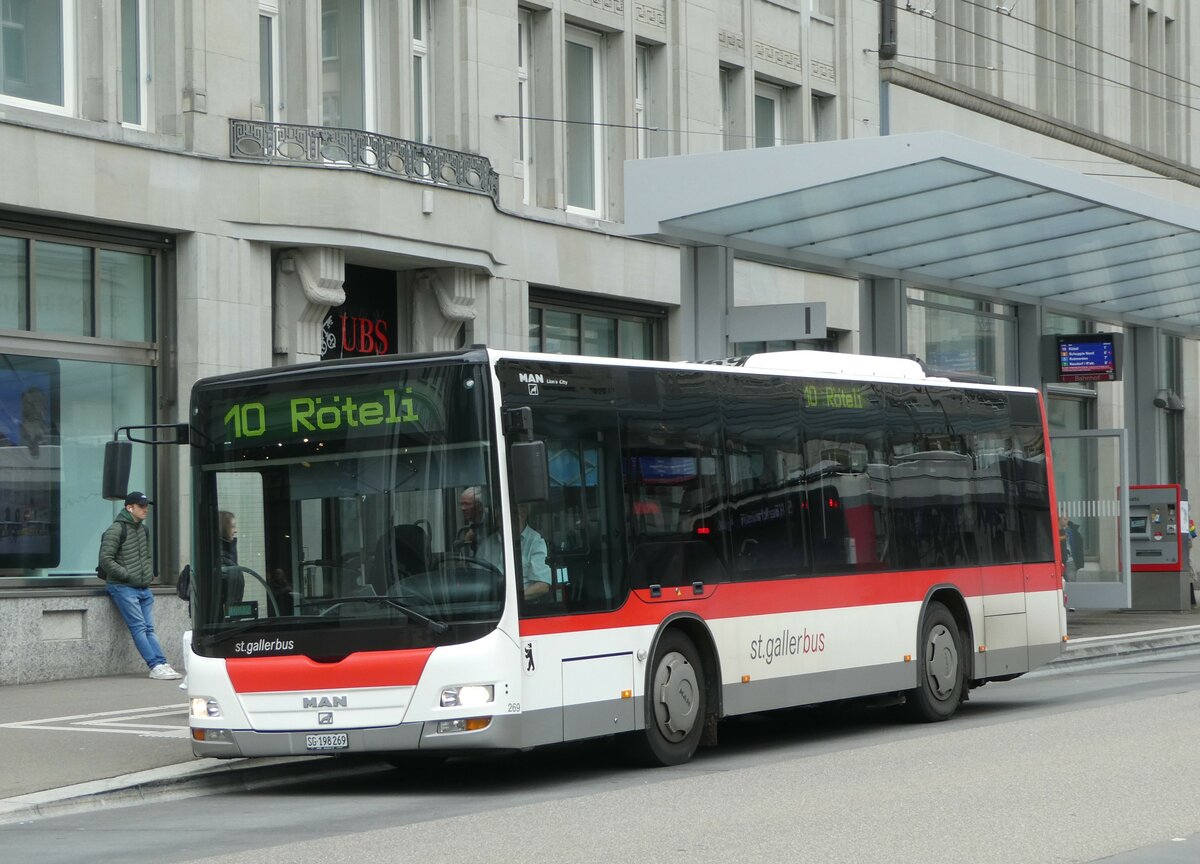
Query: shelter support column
x,y
705,298
884,318
1029,345
1144,419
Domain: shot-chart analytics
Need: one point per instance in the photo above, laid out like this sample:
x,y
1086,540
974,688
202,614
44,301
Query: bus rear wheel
x,y
941,675
675,704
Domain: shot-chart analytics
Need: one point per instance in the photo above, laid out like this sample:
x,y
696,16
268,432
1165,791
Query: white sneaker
x,y
183,683
164,672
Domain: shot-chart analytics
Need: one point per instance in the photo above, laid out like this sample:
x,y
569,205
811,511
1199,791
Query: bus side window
x,y
765,477
579,523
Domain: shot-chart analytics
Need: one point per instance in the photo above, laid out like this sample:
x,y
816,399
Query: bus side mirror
x,y
118,456
530,472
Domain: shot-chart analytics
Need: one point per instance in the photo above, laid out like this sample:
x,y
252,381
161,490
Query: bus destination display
x,y
326,414
1087,358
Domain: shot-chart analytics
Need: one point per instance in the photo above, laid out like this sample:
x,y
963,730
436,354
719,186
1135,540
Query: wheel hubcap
x,y
676,693
941,662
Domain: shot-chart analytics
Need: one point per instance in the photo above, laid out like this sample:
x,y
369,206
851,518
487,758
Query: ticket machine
x,y
1157,525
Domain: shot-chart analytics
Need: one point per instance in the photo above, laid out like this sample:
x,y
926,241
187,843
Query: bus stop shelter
x,y
939,211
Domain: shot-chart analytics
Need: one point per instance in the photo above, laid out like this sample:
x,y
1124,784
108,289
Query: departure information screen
x,y
1087,358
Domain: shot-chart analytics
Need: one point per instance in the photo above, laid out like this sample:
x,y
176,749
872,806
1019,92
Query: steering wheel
x,y
272,603
481,563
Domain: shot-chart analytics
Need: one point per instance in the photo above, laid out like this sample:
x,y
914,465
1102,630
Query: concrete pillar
x,y
705,298
884,319
1144,420
503,313
1029,345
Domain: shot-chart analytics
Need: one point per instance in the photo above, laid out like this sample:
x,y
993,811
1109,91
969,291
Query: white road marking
x,y
124,722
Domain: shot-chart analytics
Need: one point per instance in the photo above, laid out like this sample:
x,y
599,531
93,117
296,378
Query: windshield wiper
x,y
256,623
435,626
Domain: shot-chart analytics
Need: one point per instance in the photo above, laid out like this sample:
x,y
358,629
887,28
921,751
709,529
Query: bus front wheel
x,y
941,675
675,704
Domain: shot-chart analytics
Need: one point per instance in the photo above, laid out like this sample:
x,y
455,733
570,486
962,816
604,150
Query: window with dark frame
x,y
559,326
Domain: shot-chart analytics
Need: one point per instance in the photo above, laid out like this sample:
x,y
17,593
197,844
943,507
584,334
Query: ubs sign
x,y
365,325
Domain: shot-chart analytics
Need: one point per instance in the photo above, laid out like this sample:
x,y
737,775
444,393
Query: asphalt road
x,y
1096,763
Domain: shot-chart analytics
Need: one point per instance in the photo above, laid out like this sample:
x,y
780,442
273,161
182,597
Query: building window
x,y
584,132
76,290
725,84
37,60
133,63
742,349
641,114
53,405
14,290
268,57
62,289
561,326
420,68
347,94
964,336
525,99
1174,118
768,115
824,118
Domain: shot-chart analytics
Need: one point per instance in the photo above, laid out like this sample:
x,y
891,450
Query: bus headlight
x,y
204,708
468,695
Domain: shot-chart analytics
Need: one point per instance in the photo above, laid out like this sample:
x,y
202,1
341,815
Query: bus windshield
x,y
345,511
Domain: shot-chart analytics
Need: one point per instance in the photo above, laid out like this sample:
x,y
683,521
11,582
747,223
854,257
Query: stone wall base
x,y
78,633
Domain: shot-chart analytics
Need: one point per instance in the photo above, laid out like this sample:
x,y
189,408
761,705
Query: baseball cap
x,y
137,498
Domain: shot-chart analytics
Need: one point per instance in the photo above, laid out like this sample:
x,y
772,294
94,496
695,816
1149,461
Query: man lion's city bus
x,y
655,546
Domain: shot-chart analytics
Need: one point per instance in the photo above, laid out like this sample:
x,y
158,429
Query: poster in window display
x,y
29,463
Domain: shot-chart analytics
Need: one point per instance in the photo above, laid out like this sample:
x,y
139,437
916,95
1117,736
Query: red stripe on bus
x,y
365,669
778,596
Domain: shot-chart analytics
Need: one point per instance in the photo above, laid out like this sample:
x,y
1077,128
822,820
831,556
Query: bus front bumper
x,y
502,733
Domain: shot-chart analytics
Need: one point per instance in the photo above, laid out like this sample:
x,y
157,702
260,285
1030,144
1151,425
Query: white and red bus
x,y
718,539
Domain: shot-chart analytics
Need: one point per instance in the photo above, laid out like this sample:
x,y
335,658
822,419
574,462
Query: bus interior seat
x,y
409,545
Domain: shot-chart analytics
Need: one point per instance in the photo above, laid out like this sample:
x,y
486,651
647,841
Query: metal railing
x,y
334,147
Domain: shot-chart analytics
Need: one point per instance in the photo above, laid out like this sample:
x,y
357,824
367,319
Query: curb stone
x,y
186,780
1126,645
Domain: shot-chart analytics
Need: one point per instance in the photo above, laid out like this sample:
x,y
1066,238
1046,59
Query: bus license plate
x,y
334,741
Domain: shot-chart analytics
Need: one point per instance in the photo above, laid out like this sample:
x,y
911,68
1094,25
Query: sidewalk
x,y
73,744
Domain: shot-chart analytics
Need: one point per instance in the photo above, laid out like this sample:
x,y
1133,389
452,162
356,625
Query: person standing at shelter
x,y
128,571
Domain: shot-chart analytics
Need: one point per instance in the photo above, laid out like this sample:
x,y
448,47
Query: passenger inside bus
x,y
535,572
232,580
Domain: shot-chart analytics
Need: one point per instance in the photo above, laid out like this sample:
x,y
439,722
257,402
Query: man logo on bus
x,y
325,702
531,377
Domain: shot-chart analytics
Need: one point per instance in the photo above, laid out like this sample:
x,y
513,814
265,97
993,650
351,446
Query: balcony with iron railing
x,y
355,149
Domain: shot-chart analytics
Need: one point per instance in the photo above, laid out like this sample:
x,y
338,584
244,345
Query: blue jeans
x,y
136,606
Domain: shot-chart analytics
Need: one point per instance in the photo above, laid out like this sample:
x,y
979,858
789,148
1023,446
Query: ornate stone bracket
x,y
308,282
443,300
